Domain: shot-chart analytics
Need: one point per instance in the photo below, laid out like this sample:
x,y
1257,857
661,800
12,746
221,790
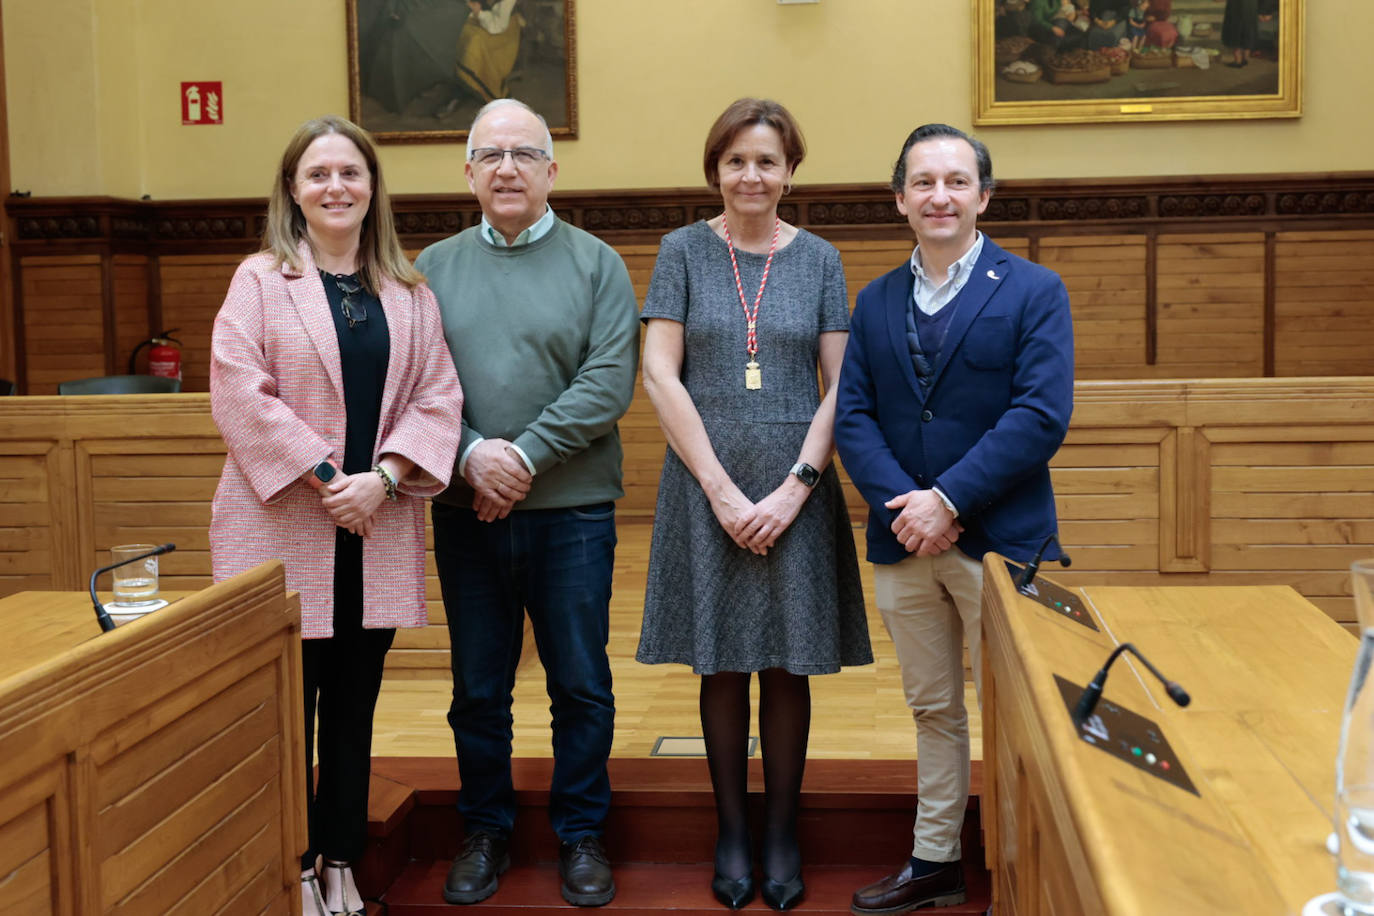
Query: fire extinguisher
x,y
164,359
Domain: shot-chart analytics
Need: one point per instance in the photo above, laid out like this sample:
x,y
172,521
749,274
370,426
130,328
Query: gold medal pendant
x,y
753,376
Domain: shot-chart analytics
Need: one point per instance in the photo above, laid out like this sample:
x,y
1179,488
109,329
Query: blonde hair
x,y
379,248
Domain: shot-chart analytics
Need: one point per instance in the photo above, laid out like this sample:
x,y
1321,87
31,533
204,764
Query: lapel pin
x,y
992,275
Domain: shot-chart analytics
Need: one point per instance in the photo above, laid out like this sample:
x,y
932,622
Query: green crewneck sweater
x,y
545,338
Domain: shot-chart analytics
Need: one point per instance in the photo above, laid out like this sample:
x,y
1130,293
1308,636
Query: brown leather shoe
x,y
902,893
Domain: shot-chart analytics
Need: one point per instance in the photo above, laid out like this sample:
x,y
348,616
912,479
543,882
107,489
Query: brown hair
x,y
744,113
379,249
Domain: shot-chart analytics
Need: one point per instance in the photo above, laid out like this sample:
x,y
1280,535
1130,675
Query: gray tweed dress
x,y
710,603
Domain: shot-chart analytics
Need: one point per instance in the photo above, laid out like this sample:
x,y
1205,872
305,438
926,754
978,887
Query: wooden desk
x,y
1071,829
157,768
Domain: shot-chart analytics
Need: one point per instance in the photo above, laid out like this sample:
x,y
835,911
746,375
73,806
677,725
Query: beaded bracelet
x,y
387,480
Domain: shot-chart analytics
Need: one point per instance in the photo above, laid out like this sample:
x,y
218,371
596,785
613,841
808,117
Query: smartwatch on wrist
x,y
324,471
806,473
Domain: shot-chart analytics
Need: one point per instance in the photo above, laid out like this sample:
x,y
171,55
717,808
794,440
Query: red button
x,y
1164,764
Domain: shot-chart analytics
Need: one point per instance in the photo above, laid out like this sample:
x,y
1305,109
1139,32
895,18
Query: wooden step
x,y
648,889
855,826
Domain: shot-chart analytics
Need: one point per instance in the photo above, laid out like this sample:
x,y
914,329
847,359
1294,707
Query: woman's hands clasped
x,y
756,526
352,499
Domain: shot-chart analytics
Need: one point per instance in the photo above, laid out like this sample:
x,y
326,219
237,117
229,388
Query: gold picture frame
x,y
418,70
1207,81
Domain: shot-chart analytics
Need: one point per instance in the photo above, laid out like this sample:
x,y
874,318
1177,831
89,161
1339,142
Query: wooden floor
x,y
859,713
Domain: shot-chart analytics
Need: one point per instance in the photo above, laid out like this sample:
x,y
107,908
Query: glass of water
x,y
135,585
1354,813
1355,838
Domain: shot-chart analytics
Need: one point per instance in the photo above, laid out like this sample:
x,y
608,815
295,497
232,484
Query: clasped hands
x,y
498,477
352,500
924,526
756,526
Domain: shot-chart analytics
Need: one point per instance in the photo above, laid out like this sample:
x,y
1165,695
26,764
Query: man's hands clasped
x,y
498,477
924,526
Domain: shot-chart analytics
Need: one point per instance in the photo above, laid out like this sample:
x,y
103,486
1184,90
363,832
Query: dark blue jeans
x,y
555,565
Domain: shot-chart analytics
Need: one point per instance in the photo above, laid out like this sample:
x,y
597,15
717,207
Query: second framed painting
x,y
1075,61
419,70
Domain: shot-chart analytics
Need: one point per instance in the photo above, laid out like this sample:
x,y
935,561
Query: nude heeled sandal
x,y
339,884
312,899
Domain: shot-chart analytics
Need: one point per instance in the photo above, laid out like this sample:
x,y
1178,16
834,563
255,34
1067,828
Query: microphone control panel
x,y
1055,597
1127,736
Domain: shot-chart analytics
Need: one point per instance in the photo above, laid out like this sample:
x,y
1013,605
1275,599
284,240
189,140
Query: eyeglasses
x,y
354,313
524,157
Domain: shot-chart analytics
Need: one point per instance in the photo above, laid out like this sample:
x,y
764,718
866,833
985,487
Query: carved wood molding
x,y
1036,208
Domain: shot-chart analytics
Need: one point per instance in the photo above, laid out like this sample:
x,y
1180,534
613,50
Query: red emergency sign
x,y
202,103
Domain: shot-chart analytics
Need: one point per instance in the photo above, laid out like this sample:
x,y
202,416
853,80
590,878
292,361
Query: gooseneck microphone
x,y
1024,580
1093,692
106,624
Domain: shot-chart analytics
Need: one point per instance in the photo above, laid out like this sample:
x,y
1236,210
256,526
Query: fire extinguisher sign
x,y
202,103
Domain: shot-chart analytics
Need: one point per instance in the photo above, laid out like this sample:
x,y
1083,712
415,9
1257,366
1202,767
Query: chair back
x,y
121,384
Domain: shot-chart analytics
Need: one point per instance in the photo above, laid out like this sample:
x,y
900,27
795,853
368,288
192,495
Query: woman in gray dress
x,y
752,566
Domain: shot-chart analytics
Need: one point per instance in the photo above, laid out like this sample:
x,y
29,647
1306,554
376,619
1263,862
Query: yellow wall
x,y
93,103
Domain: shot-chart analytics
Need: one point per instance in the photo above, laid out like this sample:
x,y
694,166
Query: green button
x,y
1059,604
1135,751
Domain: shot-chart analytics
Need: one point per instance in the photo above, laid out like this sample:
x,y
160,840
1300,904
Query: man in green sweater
x,y
543,326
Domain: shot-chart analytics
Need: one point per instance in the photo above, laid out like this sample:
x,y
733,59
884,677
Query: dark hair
x,y
379,248
744,113
931,132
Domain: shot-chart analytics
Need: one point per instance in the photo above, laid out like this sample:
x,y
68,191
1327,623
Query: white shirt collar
x,y
534,233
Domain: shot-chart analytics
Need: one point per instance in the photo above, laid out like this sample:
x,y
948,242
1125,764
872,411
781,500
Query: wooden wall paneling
x,y
64,320
1184,477
188,723
1105,277
35,844
16,342
67,517
1270,302
192,289
1296,503
1211,304
1324,310
1109,495
865,260
154,491
1151,296
93,555
29,542
131,303
291,714
1045,220
107,314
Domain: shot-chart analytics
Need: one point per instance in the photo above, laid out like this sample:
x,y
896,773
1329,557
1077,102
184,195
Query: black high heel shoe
x,y
733,892
783,895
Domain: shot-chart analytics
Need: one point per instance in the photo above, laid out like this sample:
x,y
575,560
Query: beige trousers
x,y
930,606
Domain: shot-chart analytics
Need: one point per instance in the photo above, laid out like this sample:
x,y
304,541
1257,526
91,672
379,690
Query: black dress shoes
x,y
783,895
733,892
586,872
473,876
903,891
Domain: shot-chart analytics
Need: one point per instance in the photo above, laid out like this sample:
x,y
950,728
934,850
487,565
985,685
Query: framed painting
x,y
418,70
1078,61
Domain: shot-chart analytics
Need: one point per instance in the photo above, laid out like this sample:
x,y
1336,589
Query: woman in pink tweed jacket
x,y
336,395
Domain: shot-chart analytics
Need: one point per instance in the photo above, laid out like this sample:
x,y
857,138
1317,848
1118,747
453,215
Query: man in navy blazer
x,y
955,392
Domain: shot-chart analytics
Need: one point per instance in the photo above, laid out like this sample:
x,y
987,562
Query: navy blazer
x,y
995,412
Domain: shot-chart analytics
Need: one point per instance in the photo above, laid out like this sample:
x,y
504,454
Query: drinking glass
x,y
135,585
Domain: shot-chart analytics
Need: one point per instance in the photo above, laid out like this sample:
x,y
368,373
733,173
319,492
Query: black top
x,y
364,350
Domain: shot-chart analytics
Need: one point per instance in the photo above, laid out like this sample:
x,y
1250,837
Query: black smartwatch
x,y
324,471
806,473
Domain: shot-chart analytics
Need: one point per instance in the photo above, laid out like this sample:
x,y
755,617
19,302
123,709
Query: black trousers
x,y
343,675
